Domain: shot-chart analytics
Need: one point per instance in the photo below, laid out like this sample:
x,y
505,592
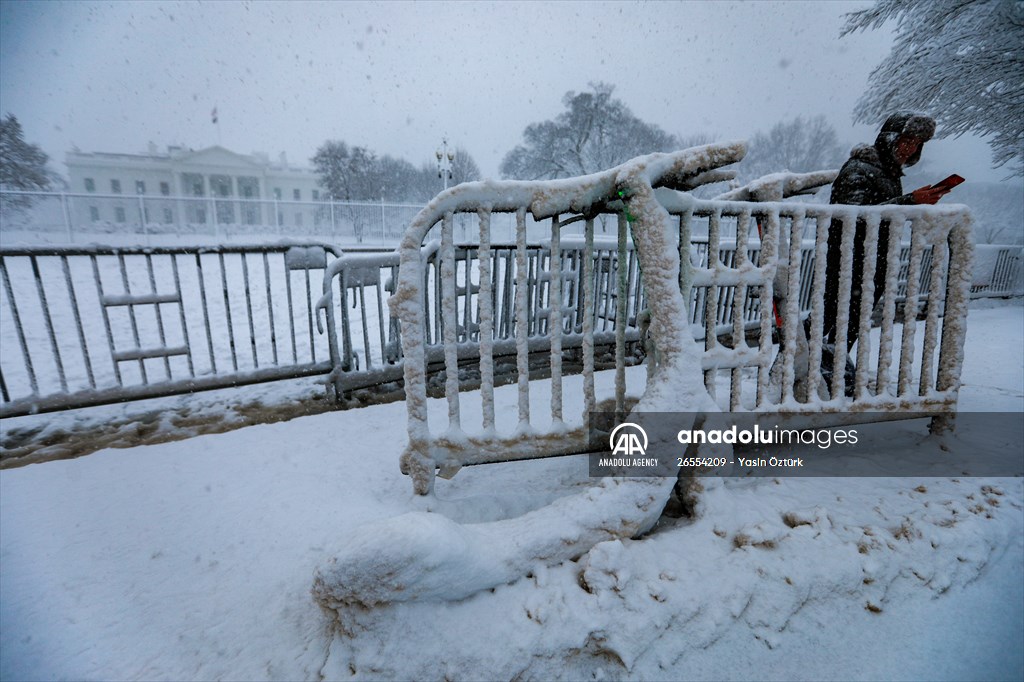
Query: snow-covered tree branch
x,y
958,60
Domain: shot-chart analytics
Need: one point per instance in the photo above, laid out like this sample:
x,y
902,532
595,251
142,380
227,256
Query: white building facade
x,y
191,188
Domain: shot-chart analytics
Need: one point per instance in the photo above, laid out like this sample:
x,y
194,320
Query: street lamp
x,y
444,162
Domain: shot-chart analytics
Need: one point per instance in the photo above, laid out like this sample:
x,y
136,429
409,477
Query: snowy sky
x,y
399,76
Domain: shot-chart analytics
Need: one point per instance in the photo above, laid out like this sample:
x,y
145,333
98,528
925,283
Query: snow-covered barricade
x,y
417,556
767,266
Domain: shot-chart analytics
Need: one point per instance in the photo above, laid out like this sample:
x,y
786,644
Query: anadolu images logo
x,y
631,441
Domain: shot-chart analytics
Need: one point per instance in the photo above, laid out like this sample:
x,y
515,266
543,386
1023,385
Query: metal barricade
x,y
94,325
665,255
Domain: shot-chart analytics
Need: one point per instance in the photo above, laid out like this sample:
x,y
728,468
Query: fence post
x,y
382,238
67,217
142,218
213,213
277,219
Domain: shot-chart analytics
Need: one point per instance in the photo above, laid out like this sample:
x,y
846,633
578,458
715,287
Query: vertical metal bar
x,y
508,309
739,334
346,321
106,318
206,314
931,326
867,305
248,309
467,308
309,317
78,321
711,297
131,317
522,332
954,322
365,324
21,331
181,314
142,219
589,311
270,305
888,308
555,320
791,320
606,289
838,387
449,313
768,262
486,336
620,320
291,309
159,315
822,223
910,304
227,310
67,218
685,264
381,320
5,395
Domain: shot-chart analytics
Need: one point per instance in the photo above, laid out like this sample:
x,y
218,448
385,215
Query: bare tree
x,y
961,62
464,168
799,146
596,131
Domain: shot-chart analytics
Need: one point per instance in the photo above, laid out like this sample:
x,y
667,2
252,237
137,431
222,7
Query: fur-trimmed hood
x,y
920,126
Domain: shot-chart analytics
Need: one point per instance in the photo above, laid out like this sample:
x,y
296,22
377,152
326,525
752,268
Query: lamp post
x,y
444,162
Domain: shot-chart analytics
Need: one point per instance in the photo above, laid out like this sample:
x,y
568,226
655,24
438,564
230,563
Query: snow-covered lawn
x,y
194,560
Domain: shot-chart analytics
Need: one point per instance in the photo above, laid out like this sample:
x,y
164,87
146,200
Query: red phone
x,y
949,183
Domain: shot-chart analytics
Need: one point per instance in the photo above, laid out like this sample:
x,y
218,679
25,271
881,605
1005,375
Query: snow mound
x,y
422,556
771,566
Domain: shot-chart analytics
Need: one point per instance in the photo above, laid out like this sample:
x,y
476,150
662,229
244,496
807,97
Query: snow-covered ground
x,y
194,560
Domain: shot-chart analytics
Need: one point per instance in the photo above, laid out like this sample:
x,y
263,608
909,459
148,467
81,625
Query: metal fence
x,y
84,326
893,376
69,218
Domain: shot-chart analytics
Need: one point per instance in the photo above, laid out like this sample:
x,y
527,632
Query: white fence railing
x,y
894,375
76,218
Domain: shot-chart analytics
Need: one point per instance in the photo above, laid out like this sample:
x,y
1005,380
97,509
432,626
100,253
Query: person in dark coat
x,y
872,176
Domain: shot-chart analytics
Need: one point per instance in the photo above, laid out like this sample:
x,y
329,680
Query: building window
x,y
119,215
296,194
316,195
192,184
220,185
168,216
298,217
280,218
90,185
165,189
277,192
115,186
94,214
140,186
248,187
145,215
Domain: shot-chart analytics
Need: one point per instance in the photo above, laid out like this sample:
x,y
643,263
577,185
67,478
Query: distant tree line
x,y
355,173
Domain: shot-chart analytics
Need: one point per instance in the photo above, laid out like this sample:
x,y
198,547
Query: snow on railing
x,y
773,269
428,556
616,191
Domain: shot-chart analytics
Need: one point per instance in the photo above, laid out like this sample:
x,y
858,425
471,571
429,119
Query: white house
x,y
189,187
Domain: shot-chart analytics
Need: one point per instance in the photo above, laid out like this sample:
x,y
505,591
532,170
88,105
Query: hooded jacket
x,y
871,175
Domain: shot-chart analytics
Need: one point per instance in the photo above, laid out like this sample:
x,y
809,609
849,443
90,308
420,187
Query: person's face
x,y
906,147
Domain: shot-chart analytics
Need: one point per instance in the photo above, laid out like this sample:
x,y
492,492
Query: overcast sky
x,y
398,76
